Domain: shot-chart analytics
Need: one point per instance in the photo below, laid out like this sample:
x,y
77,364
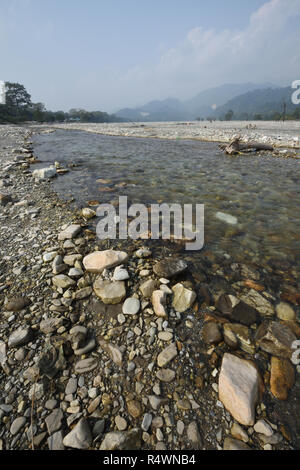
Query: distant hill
x,y
170,109
265,103
202,105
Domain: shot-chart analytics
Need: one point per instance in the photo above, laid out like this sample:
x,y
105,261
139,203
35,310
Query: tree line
x,y
19,108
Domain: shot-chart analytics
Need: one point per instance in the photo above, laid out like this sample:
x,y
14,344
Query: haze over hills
x,y
247,98
259,103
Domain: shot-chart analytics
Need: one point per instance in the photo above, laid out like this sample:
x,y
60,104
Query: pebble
x,y
121,423
110,293
146,423
131,306
80,437
54,421
262,427
99,260
167,355
17,425
86,365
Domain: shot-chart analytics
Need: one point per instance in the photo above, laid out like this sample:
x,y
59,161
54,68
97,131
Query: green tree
x,y
18,100
229,115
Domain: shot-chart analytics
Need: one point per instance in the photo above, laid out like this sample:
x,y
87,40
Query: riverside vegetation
x,y
121,345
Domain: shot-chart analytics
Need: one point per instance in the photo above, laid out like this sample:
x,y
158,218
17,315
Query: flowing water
x,y
261,191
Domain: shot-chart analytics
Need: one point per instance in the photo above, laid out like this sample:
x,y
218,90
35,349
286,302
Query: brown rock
x,y
5,199
169,268
234,444
134,408
282,377
242,334
276,339
211,333
225,304
16,304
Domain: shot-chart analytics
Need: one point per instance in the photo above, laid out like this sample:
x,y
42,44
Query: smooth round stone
x,y
71,386
131,306
17,425
285,312
144,273
166,375
121,423
165,335
120,275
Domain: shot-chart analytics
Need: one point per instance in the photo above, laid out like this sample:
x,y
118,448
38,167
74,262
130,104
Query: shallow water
x,y
262,192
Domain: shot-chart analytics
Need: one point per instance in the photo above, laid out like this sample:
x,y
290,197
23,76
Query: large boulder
x,y
239,383
99,260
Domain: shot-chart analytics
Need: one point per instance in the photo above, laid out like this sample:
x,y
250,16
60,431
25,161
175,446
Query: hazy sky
x,y
110,54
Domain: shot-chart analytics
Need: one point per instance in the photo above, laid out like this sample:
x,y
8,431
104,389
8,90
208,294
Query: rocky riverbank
x,y
123,346
278,134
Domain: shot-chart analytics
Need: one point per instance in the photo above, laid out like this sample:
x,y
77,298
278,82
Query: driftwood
x,y
236,146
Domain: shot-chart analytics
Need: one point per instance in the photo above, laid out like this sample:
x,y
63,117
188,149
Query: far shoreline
x,y
278,134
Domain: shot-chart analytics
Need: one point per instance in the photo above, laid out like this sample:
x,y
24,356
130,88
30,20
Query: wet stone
x,y
169,268
183,298
282,377
225,304
211,333
245,314
276,339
